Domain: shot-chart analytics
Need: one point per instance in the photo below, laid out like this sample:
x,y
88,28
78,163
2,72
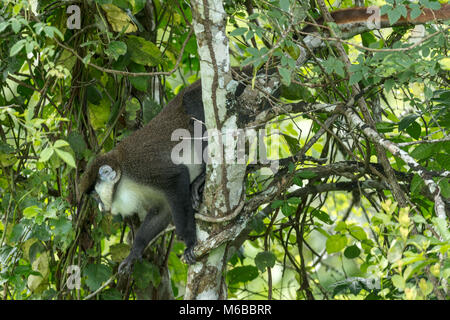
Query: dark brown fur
x,y
145,158
151,143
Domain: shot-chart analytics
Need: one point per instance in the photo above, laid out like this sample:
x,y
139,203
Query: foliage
x,y
66,94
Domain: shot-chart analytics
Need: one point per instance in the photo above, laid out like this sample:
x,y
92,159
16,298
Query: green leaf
x,y
62,226
15,25
284,5
17,232
295,92
15,49
341,226
430,4
141,82
444,185
368,38
41,232
29,46
143,52
94,95
104,1
66,157
389,84
415,11
31,212
138,5
124,4
385,126
394,15
406,121
298,181
265,259
336,243
242,274
417,184
322,216
3,25
428,93
402,9
398,282
333,64
306,174
276,204
116,49
288,210
96,274
395,252
111,294
425,286
77,143
414,130
49,31
132,107
119,252
238,32
145,272
367,245
444,160
339,69
100,114
352,252
293,143
442,227
357,232
285,75
61,143
423,151
46,154
294,201
355,78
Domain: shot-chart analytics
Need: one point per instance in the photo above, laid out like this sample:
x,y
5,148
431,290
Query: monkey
x,y
138,176
349,17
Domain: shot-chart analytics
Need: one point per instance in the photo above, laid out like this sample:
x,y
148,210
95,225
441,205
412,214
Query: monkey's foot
x,y
197,187
189,255
126,266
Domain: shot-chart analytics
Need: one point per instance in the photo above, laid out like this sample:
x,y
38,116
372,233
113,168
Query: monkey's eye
x,y
106,173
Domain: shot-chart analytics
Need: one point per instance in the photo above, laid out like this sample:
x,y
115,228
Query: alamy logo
x,y
374,20
74,278
232,147
74,20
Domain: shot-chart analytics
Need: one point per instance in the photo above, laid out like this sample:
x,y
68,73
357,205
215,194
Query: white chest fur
x,y
133,198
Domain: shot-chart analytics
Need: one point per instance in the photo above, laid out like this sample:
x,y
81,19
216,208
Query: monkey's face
x,y
104,188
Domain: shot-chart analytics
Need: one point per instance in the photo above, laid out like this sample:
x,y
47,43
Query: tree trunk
x,y
224,179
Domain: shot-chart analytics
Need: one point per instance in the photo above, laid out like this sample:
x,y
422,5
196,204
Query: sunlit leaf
x,y
67,157
336,243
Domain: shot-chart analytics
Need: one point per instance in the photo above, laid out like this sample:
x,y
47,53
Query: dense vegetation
x,y
340,227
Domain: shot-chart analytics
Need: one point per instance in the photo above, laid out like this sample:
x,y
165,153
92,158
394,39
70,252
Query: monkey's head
x,y
100,179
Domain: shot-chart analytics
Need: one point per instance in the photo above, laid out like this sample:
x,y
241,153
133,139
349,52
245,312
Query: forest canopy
x,y
353,101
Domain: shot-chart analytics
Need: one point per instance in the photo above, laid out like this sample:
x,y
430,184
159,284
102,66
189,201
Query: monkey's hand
x,y
189,255
197,187
126,266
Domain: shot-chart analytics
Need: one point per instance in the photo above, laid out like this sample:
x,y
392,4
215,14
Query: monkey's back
x,y
146,154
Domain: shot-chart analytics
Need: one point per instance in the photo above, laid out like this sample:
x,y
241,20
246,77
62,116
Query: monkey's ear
x,y
108,174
